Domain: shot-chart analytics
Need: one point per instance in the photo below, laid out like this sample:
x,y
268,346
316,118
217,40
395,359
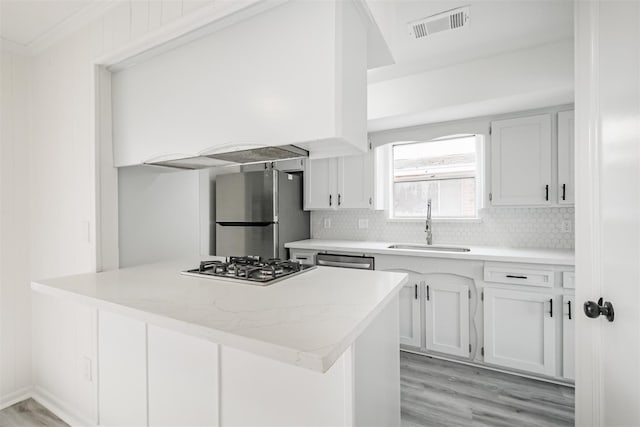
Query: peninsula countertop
x,y
307,320
483,253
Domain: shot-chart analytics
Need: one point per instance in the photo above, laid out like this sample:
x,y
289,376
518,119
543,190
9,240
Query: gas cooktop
x,y
249,269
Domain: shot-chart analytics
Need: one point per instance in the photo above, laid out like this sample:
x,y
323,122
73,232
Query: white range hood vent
x,y
262,154
233,158
449,20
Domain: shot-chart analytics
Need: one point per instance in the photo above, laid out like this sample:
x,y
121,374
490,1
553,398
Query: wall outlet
x,y
327,223
87,369
566,226
363,223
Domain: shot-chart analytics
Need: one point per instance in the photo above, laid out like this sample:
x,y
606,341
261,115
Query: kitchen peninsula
x,y
319,348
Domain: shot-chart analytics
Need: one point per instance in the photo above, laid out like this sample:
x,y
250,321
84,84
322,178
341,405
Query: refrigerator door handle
x,y
244,224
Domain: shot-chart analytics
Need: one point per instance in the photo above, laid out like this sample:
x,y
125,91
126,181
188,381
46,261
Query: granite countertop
x,y
307,320
484,253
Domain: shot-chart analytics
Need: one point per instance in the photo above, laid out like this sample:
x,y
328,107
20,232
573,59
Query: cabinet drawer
x,y
518,276
569,279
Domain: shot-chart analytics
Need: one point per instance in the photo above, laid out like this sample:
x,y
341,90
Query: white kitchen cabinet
x,y
568,340
566,157
320,184
122,370
447,315
355,182
339,183
521,161
410,312
177,362
519,330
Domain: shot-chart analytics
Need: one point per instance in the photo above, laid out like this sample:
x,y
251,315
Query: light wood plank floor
x,y
29,413
440,393
434,393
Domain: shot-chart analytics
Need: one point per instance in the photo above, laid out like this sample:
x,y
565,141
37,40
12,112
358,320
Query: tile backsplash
x,y
504,227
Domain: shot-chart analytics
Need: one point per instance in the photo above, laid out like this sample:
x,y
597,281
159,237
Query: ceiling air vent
x,y
449,20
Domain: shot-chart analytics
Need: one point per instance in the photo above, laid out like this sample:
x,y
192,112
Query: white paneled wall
x,y
48,187
15,308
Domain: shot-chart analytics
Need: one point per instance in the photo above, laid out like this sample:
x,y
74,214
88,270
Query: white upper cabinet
x,y
342,183
320,184
293,74
521,161
447,314
566,157
519,330
355,182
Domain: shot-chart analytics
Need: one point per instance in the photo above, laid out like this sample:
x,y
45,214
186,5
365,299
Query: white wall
x,y
15,305
158,215
520,80
62,191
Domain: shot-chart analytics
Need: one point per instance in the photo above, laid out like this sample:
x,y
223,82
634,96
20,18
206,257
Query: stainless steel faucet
x,y
428,224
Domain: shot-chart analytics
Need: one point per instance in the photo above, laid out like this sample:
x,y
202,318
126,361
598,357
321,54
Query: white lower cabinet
x,y
447,314
153,376
179,363
519,330
568,327
410,312
122,371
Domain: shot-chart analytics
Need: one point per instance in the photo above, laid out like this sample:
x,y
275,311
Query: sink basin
x,y
430,248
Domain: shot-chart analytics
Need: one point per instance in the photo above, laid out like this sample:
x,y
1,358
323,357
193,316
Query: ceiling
x,y
495,26
27,25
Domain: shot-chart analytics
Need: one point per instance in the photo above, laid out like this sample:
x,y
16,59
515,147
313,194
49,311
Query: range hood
x,y
289,78
230,158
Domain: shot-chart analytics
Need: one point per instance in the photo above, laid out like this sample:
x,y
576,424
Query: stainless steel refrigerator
x,y
258,212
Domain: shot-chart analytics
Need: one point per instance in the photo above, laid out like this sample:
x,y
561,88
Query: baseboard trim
x,y
50,402
15,397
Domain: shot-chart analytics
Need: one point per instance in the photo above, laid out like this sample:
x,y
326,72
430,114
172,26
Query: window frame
x,y
479,176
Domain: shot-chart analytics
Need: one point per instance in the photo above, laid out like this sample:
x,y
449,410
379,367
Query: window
x,y
443,170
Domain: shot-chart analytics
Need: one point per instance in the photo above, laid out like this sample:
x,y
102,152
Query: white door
x,y
355,181
519,330
320,184
568,340
410,312
566,157
608,211
521,161
447,315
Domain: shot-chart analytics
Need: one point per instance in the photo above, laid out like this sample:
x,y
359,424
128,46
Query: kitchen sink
x,y
429,248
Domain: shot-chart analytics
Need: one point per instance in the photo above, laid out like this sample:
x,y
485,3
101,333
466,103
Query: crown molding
x,y
9,46
61,30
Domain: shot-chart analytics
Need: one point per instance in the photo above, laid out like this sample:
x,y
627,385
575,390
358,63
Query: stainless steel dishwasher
x,y
346,261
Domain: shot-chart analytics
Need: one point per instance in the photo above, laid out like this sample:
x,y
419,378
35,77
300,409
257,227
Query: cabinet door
x,y
410,313
320,184
566,157
122,370
447,315
519,330
183,379
355,182
521,161
568,326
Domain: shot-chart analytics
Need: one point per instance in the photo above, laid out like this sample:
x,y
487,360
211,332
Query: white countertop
x,y
307,320
484,253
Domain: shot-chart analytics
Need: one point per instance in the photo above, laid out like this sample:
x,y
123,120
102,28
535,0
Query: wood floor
x,y
434,393
29,413
440,393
